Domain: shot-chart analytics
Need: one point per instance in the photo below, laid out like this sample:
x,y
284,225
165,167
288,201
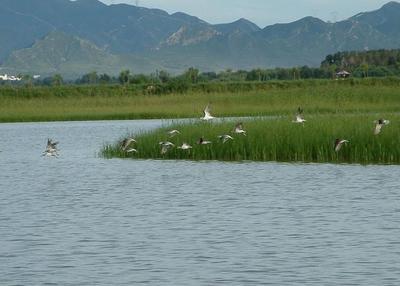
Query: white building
x,y
10,77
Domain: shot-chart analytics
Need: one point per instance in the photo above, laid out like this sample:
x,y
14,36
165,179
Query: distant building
x,y
10,77
342,74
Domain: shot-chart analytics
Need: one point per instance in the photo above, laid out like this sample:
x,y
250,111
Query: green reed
x,y
239,99
277,139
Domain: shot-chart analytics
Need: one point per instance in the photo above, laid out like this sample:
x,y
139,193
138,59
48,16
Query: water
x,y
84,220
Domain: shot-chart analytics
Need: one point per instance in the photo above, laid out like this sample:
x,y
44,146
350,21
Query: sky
x,y
261,12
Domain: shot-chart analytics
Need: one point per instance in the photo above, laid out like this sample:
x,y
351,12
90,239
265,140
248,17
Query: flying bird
x,y
207,115
185,146
173,133
126,142
339,143
239,129
51,149
165,146
299,116
203,142
379,124
224,138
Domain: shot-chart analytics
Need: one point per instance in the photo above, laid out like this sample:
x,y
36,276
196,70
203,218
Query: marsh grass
x,y
118,102
277,139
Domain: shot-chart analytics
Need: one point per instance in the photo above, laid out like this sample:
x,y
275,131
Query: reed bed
x,y
117,102
276,139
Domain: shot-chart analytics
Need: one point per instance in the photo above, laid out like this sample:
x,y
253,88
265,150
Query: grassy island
x,y
275,139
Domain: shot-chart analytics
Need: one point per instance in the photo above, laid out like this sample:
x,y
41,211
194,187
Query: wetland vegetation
x,y
102,102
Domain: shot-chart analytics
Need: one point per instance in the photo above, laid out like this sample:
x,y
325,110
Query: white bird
x,y
51,149
50,153
165,146
339,143
185,146
239,129
126,142
299,116
132,150
379,124
173,132
203,142
166,143
225,137
207,115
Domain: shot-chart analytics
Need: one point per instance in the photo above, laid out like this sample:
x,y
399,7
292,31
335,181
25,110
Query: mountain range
x,y
76,37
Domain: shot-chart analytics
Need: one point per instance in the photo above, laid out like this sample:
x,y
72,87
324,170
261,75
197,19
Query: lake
x,y
83,220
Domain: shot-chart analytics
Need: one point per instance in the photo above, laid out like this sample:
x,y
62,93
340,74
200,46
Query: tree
x,y
104,78
57,80
27,79
124,76
365,67
163,76
192,74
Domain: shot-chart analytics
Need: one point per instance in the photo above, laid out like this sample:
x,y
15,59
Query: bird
x,y
126,142
185,146
51,149
239,129
203,142
131,150
165,146
166,143
379,124
173,132
299,116
339,143
207,115
225,137
51,144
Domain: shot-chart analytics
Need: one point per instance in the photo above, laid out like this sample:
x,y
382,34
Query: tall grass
x,y
235,99
278,139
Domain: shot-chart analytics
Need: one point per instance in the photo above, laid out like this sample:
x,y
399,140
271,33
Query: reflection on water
x,y
84,220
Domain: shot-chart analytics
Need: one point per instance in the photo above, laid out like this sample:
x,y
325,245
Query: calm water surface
x,y
84,220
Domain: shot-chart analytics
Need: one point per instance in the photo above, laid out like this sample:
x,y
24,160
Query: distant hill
x,y
69,55
73,37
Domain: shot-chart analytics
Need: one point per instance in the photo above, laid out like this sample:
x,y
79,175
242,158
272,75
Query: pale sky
x,y
261,12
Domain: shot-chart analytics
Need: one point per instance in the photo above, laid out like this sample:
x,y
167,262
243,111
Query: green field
x,y
21,104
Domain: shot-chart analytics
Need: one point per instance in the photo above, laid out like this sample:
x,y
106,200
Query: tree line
x,y
377,63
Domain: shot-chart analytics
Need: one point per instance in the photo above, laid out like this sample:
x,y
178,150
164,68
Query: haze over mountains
x,y
76,37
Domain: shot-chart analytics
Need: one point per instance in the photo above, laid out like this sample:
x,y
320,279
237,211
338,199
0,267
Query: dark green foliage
x,y
377,63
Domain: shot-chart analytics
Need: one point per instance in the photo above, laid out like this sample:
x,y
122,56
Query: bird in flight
x,y
165,146
379,124
126,142
339,143
239,129
185,146
224,138
173,133
51,149
299,116
203,142
207,115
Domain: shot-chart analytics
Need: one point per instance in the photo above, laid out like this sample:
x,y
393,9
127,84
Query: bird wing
x,y
239,126
207,110
378,128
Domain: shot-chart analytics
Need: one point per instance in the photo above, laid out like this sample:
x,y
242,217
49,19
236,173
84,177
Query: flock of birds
x,y
299,119
125,146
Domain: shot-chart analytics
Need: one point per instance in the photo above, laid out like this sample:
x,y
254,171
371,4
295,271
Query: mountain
x,y
71,56
48,36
